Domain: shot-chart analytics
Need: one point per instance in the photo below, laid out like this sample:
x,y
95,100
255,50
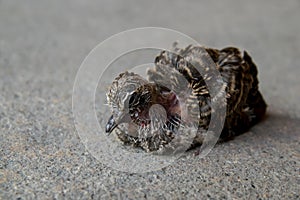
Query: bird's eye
x,y
132,98
136,114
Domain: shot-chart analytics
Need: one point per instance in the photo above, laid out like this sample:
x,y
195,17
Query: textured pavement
x,y
42,45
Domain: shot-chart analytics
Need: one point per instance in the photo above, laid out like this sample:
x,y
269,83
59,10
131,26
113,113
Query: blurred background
x,y
43,43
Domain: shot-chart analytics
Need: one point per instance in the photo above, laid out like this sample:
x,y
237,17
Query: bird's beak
x,y
113,122
111,125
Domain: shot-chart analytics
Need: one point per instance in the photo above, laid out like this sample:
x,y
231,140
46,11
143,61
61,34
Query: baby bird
x,y
149,113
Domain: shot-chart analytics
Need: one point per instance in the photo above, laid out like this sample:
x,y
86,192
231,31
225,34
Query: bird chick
x,y
149,113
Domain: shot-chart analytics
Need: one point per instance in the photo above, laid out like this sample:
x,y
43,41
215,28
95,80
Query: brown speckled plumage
x,y
130,97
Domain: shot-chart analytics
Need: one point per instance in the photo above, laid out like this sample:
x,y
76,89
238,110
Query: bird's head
x,y
136,101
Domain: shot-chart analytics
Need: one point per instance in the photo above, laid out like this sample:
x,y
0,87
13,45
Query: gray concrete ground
x,y
42,45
